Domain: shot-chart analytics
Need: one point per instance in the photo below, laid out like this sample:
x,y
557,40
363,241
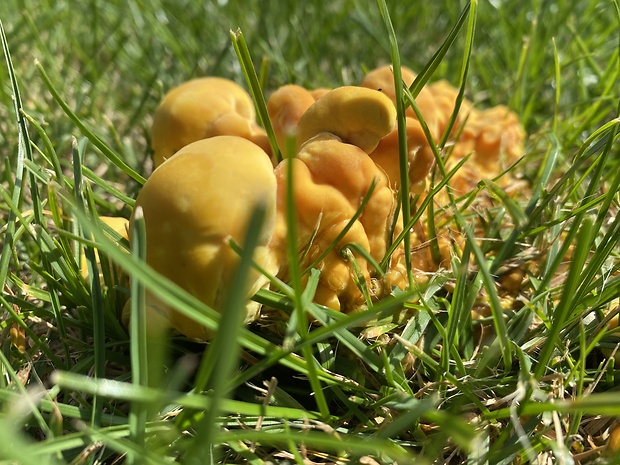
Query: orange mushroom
x,y
192,204
332,174
202,108
286,106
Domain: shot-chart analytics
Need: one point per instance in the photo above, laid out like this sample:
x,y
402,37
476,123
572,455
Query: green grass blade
x,y
471,29
403,155
223,354
243,54
562,311
95,283
18,184
138,339
429,69
96,141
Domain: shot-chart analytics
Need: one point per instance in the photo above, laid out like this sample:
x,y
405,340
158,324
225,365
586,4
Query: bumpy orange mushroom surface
x,y
332,173
493,137
202,108
330,179
193,204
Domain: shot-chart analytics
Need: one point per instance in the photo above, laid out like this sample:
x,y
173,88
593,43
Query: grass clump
x,y
505,355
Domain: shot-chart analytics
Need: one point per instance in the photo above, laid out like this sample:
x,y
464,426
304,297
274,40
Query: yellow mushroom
x,y
286,106
330,179
332,173
193,204
383,79
202,108
356,115
120,226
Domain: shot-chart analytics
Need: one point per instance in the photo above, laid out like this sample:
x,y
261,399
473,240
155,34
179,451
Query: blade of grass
x,y
457,316
494,302
429,69
19,181
471,30
138,339
95,284
27,401
295,276
245,60
403,155
132,393
351,444
223,354
561,313
95,140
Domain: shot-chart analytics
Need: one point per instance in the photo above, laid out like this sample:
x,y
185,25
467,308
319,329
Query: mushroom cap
x,y
357,115
190,112
192,204
319,92
382,79
286,106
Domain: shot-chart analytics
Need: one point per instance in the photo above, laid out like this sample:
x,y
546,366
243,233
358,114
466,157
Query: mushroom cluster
x,y
213,164
332,173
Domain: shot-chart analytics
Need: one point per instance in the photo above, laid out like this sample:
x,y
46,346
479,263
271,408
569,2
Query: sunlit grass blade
x,y
494,302
95,283
138,338
430,67
95,140
223,353
295,278
130,392
571,284
22,153
243,54
460,308
403,155
16,448
352,445
27,404
471,29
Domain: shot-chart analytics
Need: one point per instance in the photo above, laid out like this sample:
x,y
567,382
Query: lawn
x,y
503,354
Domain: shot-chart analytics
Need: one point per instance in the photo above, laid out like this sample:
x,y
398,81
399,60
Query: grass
x,y
78,91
